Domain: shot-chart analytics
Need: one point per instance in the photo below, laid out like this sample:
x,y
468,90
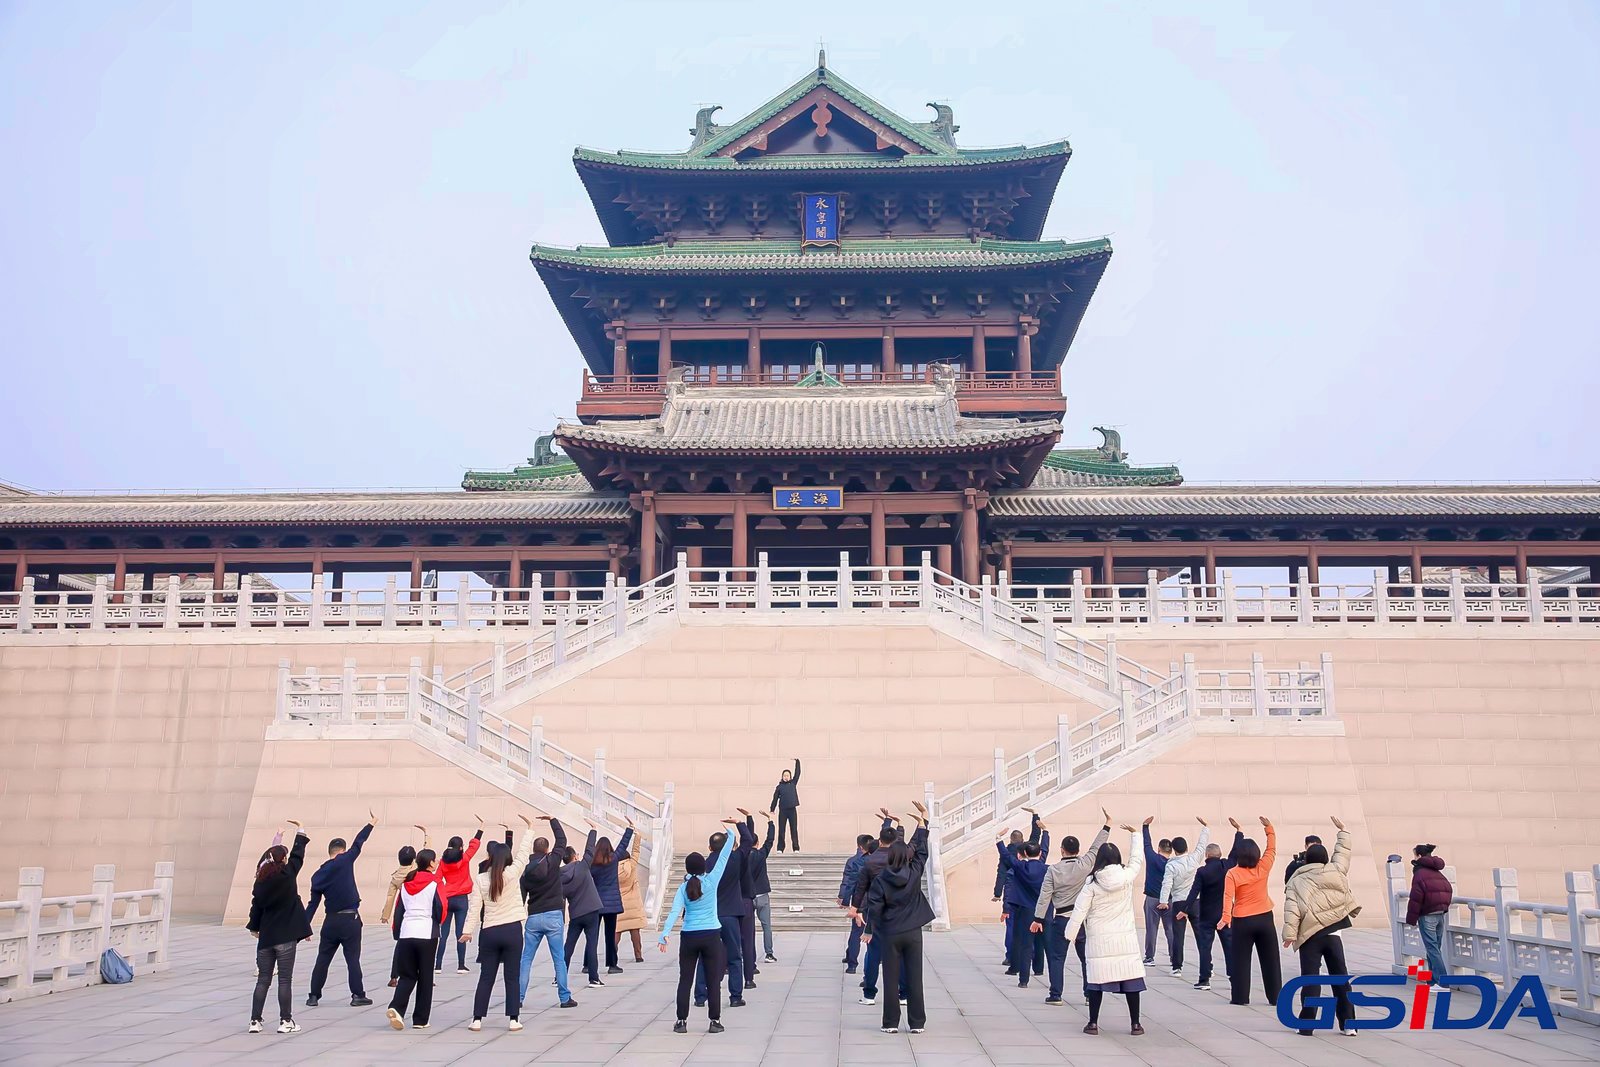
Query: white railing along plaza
x,y
763,587
1503,938
65,935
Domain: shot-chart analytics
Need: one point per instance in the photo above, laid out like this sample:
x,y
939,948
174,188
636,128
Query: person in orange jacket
x,y
1247,911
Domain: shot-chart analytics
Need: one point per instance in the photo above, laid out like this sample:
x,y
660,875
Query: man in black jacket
x,y
1204,906
876,863
540,883
733,907
757,859
334,884
786,802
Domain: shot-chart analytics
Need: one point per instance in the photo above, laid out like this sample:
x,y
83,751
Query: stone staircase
x,y
804,889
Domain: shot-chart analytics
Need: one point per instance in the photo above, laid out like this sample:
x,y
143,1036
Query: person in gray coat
x,y
583,908
1062,884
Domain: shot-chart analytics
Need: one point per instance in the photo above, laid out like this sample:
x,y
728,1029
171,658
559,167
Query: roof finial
x,y
822,57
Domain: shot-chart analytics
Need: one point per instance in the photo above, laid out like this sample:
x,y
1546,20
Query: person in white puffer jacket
x,y
1111,945
1176,881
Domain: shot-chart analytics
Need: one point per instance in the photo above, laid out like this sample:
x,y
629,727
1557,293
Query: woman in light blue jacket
x,y
696,903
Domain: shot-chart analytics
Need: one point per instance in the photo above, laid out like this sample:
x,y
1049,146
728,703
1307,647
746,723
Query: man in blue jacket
x,y
1155,868
1002,872
1021,899
334,885
865,844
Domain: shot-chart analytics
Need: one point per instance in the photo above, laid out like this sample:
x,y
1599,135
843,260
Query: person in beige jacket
x,y
495,918
1317,905
631,921
408,863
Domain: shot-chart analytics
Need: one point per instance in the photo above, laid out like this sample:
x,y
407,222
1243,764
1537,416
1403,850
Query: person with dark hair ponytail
x,y
499,912
278,922
1247,910
895,912
1104,911
701,944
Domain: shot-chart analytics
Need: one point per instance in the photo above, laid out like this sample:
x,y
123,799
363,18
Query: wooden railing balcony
x,y
977,392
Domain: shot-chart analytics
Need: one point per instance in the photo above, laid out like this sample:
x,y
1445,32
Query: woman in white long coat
x,y
1104,909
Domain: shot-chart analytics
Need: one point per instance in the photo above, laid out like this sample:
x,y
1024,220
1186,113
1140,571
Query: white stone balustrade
x,y
49,944
766,588
1504,938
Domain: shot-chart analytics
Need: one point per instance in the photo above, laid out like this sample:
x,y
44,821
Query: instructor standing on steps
x,y
786,802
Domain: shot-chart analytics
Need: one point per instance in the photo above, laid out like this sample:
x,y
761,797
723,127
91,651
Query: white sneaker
x,y
916,1030
597,984
462,970
1177,972
255,1026
867,1000
396,1020
514,1026
475,1025
1347,1032
1204,987
889,1029
288,1026
419,1026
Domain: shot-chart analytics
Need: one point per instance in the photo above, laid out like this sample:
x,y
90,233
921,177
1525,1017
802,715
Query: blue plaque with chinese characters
x,y
809,498
819,219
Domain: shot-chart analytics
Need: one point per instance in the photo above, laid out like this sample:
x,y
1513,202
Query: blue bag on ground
x,y
115,968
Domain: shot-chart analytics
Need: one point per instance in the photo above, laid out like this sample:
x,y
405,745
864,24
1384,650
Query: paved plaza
x,y
803,1012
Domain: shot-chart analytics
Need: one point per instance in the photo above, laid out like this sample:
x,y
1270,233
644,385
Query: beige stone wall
x,y
130,749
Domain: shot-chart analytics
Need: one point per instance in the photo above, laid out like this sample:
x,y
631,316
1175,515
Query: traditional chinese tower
x,y
821,296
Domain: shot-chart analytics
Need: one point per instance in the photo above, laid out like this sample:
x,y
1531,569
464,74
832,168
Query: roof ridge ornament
x,y
945,376
819,377
1111,445
704,129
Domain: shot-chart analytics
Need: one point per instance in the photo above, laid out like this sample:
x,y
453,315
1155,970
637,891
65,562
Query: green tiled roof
x,y
685,161
1092,467
785,255
917,132
562,475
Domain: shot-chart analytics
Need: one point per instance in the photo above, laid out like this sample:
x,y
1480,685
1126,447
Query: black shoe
x,y
680,1027
756,971
716,1027
749,985
1022,985
1053,1000
736,1002
360,1002
613,970
851,969
569,1003
771,958
311,1002
1011,970
699,1003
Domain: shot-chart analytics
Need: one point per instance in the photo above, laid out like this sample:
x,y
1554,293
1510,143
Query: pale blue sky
x,y
285,245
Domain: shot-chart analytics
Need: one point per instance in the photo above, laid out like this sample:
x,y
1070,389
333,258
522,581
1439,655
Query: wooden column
x,y
617,554
877,556
619,349
754,352
1108,567
942,558
20,572
647,531
338,587
1211,577
888,350
1005,560
741,535
561,580
664,353
1313,570
1522,564
119,578
897,559
316,564
970,560
514,572
1025,331
1416,565
696,556
980,359
219,573
1494,574
416,578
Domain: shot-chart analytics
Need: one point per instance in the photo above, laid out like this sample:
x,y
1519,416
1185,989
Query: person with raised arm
x,y
1022,898
631,920
866,845
605,872
1176,881
278,923
419,912
760,882
408,863
875,864
1104,911
1203,908
455,885
1155,865
335,881
1247,911
1317,904
540,884
583,907
496,921
786,802
733,907
1002,878
701,948
896,911
1058,895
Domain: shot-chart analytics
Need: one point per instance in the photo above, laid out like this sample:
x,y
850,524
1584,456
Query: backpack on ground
x,y
115,968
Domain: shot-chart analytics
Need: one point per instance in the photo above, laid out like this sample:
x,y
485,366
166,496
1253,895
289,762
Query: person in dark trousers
x,y
1155,866
604,871
1247,910
335,884
1300,857
1002,876
541,895
1317,904
1022,899
278,922
757,859
733,907
702,948
1428,908
496,920
419,911
1203,907
455,883
1058,893
866,845
896,911
786,802
1105,908
408,863
583,908
875,864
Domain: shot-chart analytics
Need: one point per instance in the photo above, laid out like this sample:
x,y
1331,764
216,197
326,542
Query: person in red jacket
x,y
1429,907
455,882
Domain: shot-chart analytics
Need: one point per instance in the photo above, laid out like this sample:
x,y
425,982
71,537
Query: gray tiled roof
x,y
279,509
896,418
1298,501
